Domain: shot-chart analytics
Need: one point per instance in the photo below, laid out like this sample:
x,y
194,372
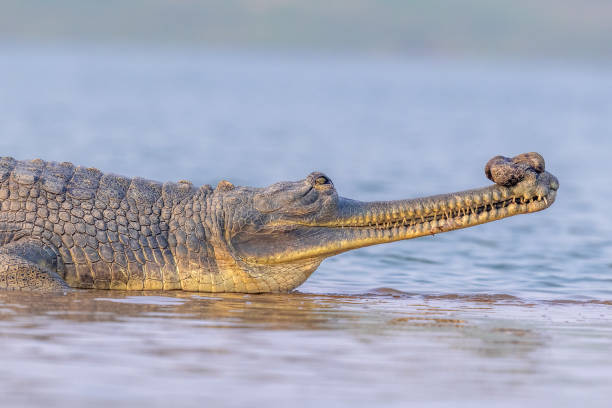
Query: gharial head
x,y
278,235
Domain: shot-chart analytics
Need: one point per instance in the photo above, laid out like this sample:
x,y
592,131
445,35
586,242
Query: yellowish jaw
x,y
381,222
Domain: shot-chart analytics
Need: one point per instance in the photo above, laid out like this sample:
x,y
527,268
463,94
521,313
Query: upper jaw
x,y
535,192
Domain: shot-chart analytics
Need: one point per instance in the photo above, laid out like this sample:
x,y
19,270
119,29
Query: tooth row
x,y
458,210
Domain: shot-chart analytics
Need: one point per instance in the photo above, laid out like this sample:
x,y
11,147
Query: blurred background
x,y
391,99
537,29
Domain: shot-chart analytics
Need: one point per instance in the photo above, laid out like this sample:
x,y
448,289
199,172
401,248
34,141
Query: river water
x,y
513,312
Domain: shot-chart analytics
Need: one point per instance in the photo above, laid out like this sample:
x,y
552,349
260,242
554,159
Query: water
x,y
512,312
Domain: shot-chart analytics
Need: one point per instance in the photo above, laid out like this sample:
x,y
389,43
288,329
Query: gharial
x,y
64,227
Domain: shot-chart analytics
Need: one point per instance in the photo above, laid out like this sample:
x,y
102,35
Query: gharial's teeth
x,y
418,209
394,212
430,214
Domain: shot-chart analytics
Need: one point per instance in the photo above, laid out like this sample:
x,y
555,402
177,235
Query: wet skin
x,y
63,226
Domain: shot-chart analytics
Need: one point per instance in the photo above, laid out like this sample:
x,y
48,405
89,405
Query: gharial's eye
x,y
322,180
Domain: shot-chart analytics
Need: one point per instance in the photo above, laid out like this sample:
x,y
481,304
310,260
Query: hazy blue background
x,y
392,99
527,28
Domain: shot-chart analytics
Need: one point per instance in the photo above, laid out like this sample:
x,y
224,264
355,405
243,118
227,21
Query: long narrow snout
x,y
522,186
405,219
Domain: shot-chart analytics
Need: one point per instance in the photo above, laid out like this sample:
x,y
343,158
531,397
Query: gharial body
x,y
64,227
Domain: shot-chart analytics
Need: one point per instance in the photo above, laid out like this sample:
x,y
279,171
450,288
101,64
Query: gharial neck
x,y
197,241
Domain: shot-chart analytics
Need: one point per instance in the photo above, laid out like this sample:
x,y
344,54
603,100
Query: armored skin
x,y
65,227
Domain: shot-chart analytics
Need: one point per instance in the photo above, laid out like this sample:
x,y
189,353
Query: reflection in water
x,y
132,348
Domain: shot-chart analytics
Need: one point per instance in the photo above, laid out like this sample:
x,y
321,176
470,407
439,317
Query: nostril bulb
x,y
494,161
532,159
504,171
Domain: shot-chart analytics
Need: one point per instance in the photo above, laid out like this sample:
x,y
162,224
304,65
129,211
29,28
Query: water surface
x,y
517,311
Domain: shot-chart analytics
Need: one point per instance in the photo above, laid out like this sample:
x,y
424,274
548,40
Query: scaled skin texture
x,y
65,227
